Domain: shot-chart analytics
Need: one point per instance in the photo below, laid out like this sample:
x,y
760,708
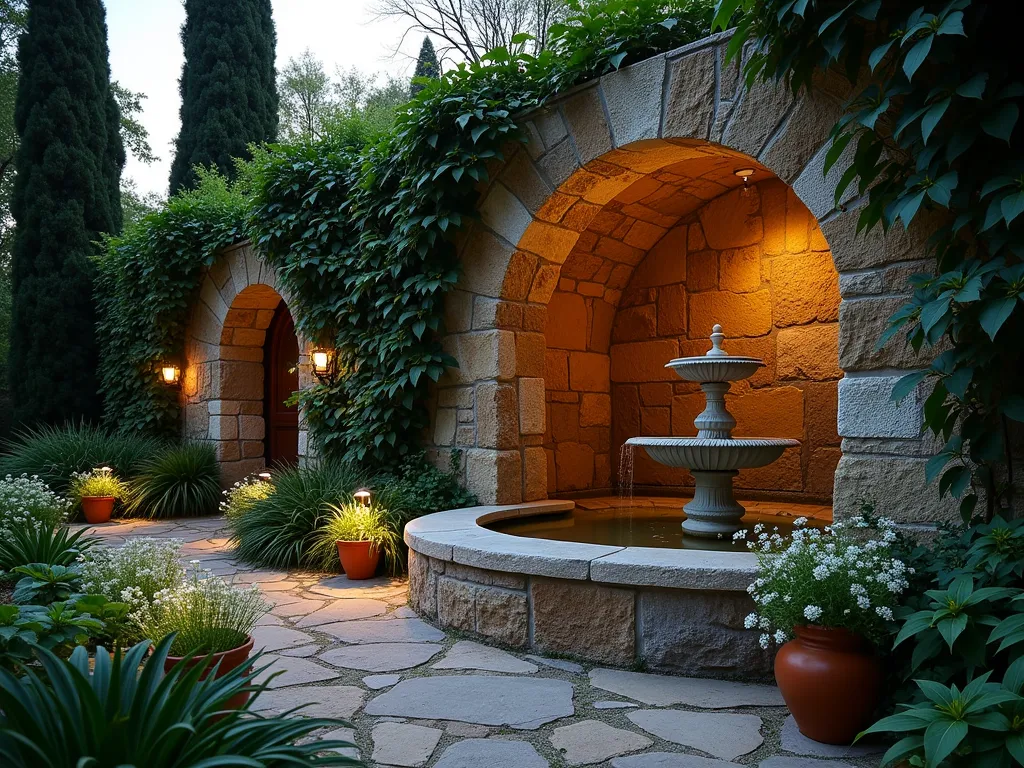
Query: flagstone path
x,y
418,696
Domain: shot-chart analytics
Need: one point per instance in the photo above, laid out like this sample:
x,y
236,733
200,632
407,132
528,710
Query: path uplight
x,y
362,497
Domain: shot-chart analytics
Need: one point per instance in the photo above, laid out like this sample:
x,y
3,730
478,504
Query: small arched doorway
x,y
281,379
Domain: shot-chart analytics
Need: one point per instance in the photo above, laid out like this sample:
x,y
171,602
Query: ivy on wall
x,y
934,124
363,237
146,282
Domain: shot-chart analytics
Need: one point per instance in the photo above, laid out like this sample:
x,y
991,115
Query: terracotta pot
x,y
358,558
229,660
97,509
831,682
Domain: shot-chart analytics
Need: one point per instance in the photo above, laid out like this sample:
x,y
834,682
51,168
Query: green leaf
x,y
995,313
952,628
879,53
1012,206
906,385
941,738
932,117
916,56
1001,121
973,87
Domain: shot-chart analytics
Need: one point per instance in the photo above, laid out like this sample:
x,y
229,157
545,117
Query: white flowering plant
x,y
133,573
240,497
28,502
206,613
842,576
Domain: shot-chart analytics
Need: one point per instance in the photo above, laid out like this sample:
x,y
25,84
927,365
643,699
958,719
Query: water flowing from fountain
x,y
626,454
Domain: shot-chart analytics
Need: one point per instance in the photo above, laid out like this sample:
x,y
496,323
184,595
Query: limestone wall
x,y
223,377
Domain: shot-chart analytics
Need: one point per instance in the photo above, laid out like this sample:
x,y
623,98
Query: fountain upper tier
x,y
714,455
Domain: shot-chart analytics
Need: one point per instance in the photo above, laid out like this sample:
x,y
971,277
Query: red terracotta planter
x,y
831,682
97,509
358,558
229,660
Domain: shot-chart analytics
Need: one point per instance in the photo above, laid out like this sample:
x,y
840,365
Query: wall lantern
x,y
170,374
745,174
362,497
324,363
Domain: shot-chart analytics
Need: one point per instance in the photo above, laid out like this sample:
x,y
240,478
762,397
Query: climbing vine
x,y
934,124
146,282
363,236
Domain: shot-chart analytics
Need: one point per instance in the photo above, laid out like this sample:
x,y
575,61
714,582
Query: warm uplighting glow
x,y
170,374
744,173
323,363
362,496
104,470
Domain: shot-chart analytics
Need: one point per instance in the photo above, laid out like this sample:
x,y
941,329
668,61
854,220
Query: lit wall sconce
x,y
324,362
362,497
745,174
170,374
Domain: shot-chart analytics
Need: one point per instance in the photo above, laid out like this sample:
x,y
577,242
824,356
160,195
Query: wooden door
x,y
280,358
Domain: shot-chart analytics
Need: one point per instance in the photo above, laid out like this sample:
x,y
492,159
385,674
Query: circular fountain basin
x,y
706,368
676,610
714,454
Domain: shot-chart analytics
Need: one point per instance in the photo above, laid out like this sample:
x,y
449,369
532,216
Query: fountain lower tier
x,y
713,462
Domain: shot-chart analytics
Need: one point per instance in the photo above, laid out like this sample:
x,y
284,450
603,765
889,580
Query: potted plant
x,y
97,491
361,533
827,596
211,621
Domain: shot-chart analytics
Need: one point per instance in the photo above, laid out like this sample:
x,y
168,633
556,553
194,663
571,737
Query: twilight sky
x,y
145,55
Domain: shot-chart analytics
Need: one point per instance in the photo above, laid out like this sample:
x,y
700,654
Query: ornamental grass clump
x,y
840,577
356,522
182,481
206,613
133,573
27,502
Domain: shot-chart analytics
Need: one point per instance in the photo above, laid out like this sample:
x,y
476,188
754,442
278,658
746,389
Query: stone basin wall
x,y
680,631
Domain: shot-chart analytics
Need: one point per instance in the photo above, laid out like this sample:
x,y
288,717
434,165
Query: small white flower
x,y
765,640
812,612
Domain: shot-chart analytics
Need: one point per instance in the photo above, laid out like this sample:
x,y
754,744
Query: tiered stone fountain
x,y
714,457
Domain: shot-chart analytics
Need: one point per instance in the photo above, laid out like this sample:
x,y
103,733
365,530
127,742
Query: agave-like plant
x,y
43,544
116,714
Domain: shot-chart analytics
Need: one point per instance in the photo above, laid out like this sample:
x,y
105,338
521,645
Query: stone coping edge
x,y
458,536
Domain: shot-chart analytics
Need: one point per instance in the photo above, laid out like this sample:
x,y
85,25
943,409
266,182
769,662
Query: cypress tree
x,y
426,66
228,85
66,194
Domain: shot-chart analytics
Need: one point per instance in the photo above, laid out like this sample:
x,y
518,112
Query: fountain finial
x,y
717,337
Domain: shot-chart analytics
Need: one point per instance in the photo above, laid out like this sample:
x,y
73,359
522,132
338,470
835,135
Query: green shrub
x,y
27,502
56,453
57,627
961,641
417,487
44,584
97,482
354,522
42,544
127,712
182,481
281,530
205,614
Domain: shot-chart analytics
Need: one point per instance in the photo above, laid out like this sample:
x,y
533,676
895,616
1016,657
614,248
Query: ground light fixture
x,y
324,363
362,497
170,374
264,476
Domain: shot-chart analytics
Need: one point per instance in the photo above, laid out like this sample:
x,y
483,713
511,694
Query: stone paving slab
x,y
794,741
491,753
670,760
322,700
786,761
343,610
466,654
293,671
404,745
376,682
384,631
722,735
381,657
664,691
521,703
592,741
270,638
